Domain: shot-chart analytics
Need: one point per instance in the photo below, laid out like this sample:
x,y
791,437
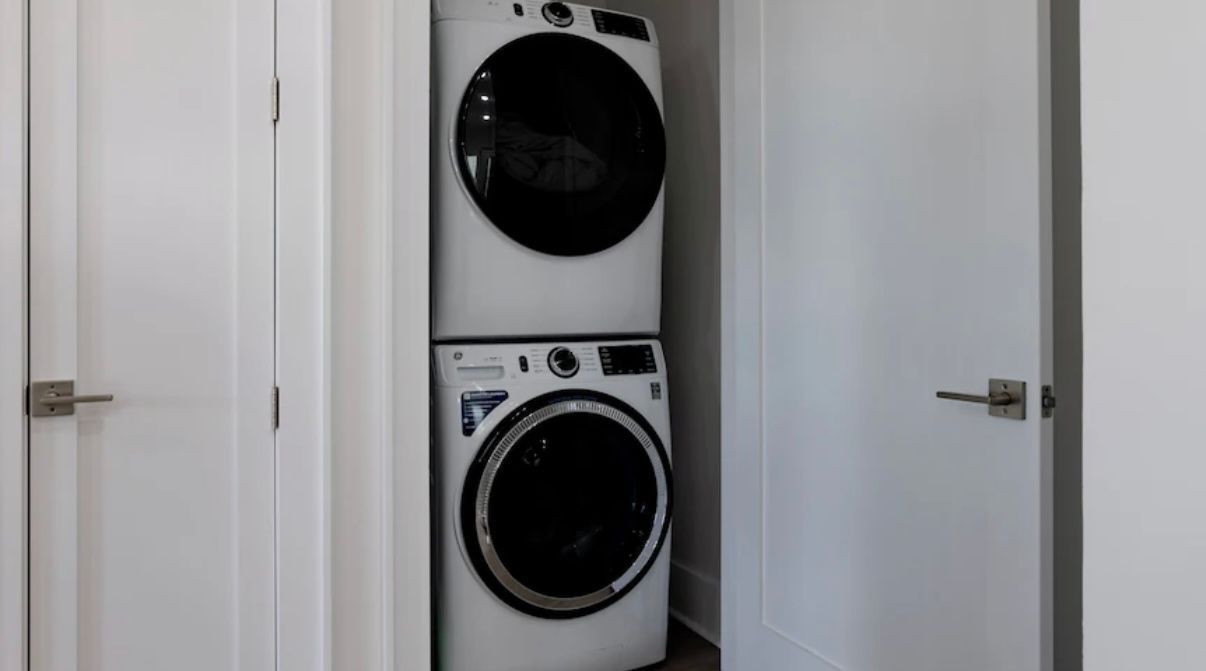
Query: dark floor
x,y
686,651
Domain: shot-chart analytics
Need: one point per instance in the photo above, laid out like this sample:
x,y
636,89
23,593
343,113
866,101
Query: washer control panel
x,y
627,359
491,367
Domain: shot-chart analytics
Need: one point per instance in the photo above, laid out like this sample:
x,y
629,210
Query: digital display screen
x,y
627,360
620,24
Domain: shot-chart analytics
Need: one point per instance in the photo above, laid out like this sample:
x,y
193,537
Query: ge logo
x,y
457,356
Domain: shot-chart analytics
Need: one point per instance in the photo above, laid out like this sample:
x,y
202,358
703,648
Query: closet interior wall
x,y
689,33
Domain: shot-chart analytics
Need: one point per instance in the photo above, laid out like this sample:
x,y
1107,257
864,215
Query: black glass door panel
x,y
577,506
561,144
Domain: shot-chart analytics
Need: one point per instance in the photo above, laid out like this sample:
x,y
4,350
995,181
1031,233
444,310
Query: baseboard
x,y
695,601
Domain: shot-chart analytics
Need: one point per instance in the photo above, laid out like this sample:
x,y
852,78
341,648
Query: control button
x,y
523,364
558,14
518,9
563,362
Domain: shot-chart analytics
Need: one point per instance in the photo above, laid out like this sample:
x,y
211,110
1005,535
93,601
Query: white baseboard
x,y
695,601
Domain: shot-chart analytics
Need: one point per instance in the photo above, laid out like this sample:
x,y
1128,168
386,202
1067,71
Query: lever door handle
x,y
55,399
58,397
1002,398
1005,398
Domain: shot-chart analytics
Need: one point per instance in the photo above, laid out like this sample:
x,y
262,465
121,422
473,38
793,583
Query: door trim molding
x,y
405,440
303,508
13,193
305,214
741,245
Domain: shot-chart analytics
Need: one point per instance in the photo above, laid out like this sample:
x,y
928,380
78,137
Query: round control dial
x,y
558,14
563,362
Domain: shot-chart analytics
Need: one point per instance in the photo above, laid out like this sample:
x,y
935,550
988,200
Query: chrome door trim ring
x,y
490,472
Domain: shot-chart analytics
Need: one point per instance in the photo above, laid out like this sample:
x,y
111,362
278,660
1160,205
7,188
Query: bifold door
x,y
151,307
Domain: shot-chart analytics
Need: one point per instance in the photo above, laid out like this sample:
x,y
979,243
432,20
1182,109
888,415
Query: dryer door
x,y
567,505
561,144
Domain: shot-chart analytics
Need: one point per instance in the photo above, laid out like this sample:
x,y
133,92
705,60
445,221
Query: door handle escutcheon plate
x,y
57,397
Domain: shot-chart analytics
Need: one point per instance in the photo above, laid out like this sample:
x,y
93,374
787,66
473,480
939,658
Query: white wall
x,y
1144,126
690,46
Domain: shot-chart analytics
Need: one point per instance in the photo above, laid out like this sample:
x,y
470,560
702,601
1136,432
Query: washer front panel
x,y
567,505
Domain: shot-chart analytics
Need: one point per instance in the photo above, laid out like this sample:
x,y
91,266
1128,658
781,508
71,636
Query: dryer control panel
x,y
625,25
553,16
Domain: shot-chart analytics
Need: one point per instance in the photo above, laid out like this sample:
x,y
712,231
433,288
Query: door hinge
x,y
276,408
276,100
1048,401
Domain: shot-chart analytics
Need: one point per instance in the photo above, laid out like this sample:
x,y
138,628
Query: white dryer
x,y
547,165
553,506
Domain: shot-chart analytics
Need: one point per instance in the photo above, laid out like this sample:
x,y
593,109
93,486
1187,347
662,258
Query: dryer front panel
x,y
560,144
567,504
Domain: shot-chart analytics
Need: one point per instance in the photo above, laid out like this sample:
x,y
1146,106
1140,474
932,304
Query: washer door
x,y
567,504
561,144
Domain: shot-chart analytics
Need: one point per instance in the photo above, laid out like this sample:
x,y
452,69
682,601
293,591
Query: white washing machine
x,y
547,165
553,506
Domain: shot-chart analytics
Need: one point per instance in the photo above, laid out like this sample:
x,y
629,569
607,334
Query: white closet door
x,y
151,279
888,201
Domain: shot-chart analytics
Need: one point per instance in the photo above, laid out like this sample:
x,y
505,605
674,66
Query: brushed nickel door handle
x,y
52,399
1005,398
57,397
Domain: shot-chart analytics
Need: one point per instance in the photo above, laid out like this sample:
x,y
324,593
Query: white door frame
x,y
12,336
740,286
303,512
304,49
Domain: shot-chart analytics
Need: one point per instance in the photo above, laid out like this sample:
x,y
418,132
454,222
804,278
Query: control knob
x,y
563,362
558,14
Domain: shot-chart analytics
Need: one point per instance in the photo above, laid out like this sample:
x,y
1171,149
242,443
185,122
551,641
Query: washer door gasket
x,y
567,504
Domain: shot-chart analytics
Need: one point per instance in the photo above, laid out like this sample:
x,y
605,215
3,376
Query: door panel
x,y
901,250
151,278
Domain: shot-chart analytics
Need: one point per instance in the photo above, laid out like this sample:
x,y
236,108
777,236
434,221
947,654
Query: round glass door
x,y
567,504
561,144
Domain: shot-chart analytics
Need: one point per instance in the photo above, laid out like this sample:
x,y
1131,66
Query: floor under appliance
x,y
687,651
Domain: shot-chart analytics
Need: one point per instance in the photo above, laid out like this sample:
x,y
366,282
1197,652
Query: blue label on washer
x,y
476,405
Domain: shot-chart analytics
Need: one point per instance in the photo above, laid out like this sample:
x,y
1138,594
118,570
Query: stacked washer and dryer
x,y
552,430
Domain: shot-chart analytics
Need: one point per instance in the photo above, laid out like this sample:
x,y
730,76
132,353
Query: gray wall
x,y
690,43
